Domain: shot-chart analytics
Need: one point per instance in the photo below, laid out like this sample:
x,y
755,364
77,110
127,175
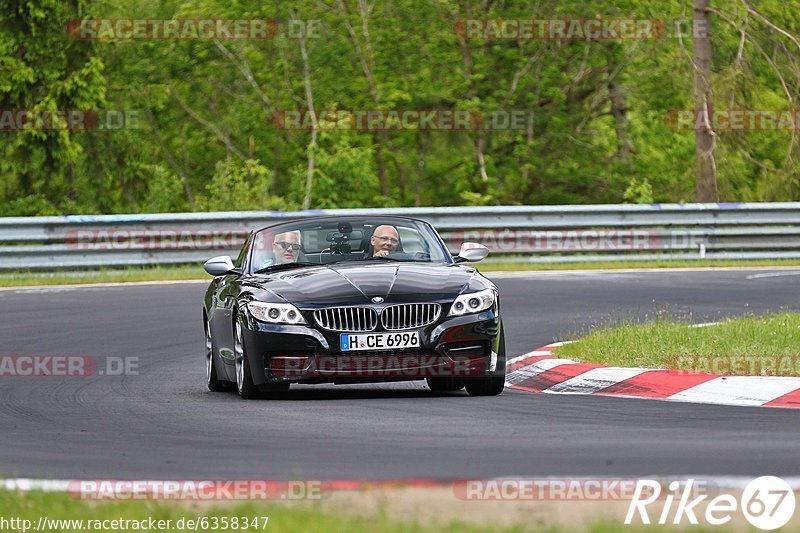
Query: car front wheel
x,y
244,379
212,381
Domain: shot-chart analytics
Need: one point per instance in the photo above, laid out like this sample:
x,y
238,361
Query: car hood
x,y
355,284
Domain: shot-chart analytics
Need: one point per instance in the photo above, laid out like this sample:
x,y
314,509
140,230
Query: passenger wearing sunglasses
x,y
384,240
286,247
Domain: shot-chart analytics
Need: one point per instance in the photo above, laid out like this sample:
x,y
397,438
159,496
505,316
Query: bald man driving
x,y
384,240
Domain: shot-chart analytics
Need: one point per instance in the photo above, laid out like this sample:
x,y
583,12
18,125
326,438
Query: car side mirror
x,y
471,252
219,266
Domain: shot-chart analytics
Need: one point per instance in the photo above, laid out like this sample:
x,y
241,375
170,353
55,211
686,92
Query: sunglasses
x,y
286,245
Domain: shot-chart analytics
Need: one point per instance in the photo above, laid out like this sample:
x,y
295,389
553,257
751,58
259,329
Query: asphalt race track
x,y
164,424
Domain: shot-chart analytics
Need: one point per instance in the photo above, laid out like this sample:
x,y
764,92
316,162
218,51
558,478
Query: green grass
x,y
750,345
301,518
68,277
186,272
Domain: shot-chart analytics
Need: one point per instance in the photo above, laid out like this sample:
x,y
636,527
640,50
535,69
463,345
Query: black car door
x,y
223,301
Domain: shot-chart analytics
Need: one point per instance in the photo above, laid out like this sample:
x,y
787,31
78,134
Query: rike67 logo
x,y
767,503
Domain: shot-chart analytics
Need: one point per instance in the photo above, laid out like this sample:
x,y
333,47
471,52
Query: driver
x,y
384,240
286,247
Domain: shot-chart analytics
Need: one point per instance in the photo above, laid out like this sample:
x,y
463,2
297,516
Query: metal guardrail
x,y
513,233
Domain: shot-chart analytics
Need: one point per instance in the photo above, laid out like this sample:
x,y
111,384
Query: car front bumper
x,y
461,347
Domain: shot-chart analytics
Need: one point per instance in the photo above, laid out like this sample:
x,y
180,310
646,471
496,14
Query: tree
x,y
43,70
706,185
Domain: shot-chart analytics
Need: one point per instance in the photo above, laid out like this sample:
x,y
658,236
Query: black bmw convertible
x,y
352,300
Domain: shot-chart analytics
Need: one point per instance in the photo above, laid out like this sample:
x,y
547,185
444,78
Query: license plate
x,y
351,342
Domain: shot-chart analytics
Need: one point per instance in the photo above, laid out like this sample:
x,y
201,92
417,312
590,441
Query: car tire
x,y
447,384
244,378
212,381
494,384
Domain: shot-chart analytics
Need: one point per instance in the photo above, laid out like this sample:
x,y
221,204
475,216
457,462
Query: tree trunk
x,y
480,150
525,162
706,176
312,146
366,58
619,109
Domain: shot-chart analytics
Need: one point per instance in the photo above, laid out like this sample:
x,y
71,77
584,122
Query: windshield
x,y
334,240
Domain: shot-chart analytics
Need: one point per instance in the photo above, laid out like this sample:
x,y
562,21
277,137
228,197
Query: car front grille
x,y
406,316
347,318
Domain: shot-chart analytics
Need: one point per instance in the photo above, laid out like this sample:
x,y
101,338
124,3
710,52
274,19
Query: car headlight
x,y
473,302
276,313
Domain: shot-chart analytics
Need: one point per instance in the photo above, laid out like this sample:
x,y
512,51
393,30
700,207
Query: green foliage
x,y
164,192
474,198
241,187
639,192
42,69
209,140
345,175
